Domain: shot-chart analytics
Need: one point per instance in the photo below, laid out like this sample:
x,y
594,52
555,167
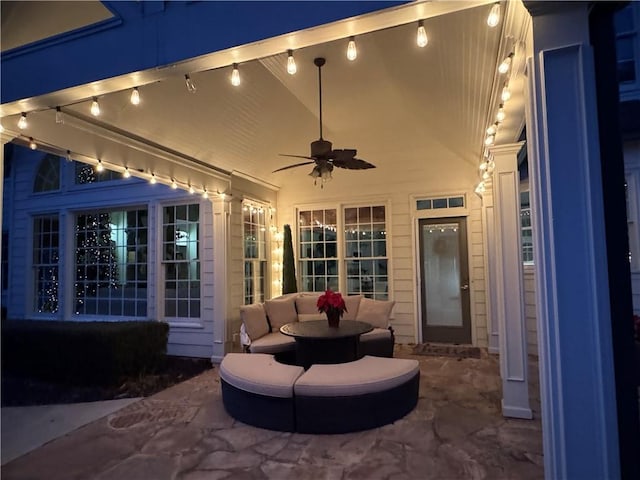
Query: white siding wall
x,y
530,309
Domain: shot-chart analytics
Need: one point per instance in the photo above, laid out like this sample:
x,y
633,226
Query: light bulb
x,y
483,166
500,116
223,195
235,75
68,156
174,185
191,87
506,63
492,129
192,190
205,194
489,140
291,63
352,50
99,166
95,107
421,35
59,118
1,128
480,188
126,173
506,93
486,176
494,15
135,96
153,180
22,123
32,143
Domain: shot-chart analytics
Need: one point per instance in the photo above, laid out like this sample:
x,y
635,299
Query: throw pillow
x,y
307,304
255,320
375,312
305,317
281,312
352,302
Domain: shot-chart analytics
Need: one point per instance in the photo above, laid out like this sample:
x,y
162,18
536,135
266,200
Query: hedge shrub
x,y
83,353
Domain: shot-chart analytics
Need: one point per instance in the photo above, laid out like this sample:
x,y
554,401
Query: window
x,y
111,263
435,203
181,263
626,44
86,173
525,228
255,253
45,263
366,251
48,174
363,254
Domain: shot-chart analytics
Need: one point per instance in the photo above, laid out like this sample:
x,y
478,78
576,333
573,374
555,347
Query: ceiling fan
x,y
322,153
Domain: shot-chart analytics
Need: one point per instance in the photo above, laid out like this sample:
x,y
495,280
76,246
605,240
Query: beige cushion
x,y
302,317
375,312
376,334
307,304
259,374
352,302
367,375
273,343
281,312
255,320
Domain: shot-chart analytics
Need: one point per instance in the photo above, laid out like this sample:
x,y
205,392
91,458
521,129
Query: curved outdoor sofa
x,y
336,398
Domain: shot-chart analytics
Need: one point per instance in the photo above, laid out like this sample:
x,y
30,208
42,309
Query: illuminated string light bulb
x,y
291,63
22,123
68,156
500,116
174,185
32,143
59,118
506,93
480,189
489,140
486,175
135,96
1,128
235,75
483,166
223,195
421,35
494,15
352,50
205,194
506,64
191,87
126,173
99,166
153,179
95,107
192,190
492,129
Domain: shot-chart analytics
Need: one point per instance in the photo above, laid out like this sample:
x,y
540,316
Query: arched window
x,y
48,174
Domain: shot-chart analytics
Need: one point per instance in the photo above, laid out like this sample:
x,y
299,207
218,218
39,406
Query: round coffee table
x,y
317,342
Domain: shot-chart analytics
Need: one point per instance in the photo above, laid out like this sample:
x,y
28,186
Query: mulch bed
x,y
442,350
17,391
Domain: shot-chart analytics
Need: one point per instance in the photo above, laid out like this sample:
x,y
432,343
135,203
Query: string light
x,y
153,179
235,75
489,140
68,156
135,96
174,185
492,129
95,107
506,64
205,194
352,50
126,173
291,63
506,93
99,166
59,118
1,128
421,35
191,87
22,123
494,15
32,143
480,189
192,190
500,116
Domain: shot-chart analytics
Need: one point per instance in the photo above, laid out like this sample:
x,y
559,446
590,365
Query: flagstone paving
x,y
455,432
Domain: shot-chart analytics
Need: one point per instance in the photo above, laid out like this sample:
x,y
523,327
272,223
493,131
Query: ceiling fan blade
x,y
296,156
352,164
343,155
293,166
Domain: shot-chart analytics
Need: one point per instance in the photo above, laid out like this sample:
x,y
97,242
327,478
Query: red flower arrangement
x,y
333,305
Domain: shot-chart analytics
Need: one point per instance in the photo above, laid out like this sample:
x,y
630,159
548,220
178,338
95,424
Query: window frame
x,y
628,89
35,266
258,295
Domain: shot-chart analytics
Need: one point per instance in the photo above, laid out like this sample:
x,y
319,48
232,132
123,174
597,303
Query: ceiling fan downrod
x,y
319,62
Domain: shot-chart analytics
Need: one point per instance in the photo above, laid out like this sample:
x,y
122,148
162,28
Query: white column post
x,y
220,280
509,306
579,421
488,220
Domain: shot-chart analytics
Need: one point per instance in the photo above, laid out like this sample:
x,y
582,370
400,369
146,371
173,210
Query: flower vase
x,y
334,319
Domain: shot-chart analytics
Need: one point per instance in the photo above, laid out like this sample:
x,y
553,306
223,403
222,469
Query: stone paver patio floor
x,y
455,432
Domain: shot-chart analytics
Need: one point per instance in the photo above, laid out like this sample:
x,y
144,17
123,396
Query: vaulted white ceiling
x,y
397,104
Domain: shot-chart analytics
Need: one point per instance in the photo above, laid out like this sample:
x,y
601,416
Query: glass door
x,y
444,275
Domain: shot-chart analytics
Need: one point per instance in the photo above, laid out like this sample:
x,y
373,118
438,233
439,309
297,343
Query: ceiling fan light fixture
x,y
421,35
291,63
352,50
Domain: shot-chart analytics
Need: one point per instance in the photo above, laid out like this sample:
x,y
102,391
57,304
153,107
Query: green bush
x,y
83,353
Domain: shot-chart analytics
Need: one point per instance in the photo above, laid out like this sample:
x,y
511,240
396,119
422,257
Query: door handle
x,y
464,287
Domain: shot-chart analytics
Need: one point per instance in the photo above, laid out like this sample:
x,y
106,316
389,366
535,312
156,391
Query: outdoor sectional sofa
x,y
261,322
337,398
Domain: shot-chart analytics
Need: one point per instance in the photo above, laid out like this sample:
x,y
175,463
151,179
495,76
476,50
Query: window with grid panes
x,y
48,174
626,44
46,253
181,261
526,231
254,239
317,235
366,251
